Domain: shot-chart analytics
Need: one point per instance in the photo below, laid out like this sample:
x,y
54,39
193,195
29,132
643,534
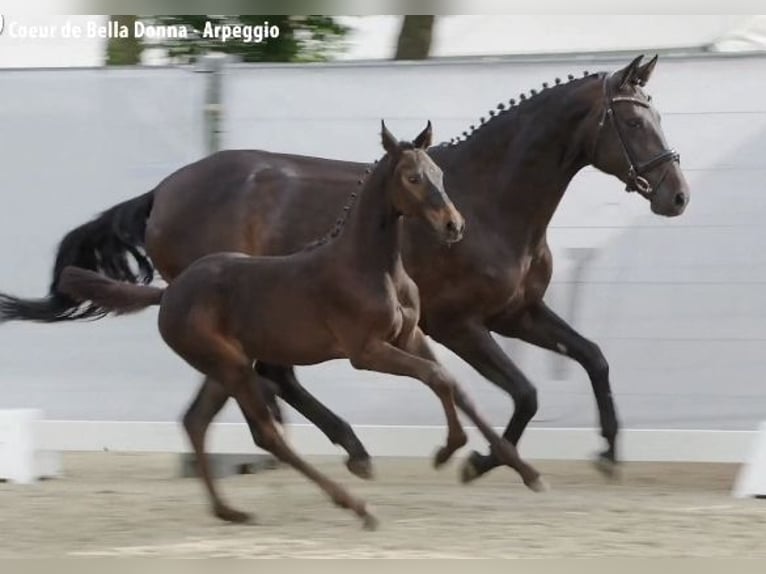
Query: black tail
x,y
104,245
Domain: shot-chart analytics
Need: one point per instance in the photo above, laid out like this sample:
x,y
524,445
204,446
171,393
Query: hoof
x,y
469,471
538,485
361,467
234,516
442,456
370,523
607,466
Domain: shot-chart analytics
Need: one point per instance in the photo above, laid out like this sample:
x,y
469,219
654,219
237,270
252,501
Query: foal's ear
x,y
390,144
424,139
644,72
628,75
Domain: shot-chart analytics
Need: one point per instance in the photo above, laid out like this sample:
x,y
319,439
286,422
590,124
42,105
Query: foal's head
x,y
630,144
416,185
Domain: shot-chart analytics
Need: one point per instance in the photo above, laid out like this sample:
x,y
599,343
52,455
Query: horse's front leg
x,y
540,326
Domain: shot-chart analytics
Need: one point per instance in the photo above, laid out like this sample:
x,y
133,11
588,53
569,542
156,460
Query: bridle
x,y
636,169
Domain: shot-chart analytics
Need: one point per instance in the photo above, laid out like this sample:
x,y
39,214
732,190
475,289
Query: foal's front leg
x,y
383,357
416,344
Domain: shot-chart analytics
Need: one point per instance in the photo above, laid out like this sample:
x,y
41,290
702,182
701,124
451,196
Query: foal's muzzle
x,y
454,229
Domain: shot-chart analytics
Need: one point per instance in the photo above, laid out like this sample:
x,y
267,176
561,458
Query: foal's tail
x,y
107,294
105,244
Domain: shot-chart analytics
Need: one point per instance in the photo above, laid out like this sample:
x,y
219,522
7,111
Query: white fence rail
x,y
400,440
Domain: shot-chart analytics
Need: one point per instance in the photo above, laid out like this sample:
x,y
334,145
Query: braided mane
x,y
512,106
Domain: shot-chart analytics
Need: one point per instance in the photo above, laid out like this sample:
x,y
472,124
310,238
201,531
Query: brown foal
x,y
346,295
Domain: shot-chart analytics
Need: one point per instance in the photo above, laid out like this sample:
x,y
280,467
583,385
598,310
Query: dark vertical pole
x,y
213,65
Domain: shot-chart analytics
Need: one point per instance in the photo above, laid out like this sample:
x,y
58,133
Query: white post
x,y
21,461
751,480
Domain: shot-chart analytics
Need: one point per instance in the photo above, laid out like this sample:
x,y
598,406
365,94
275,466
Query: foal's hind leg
x,y
209,400
251,401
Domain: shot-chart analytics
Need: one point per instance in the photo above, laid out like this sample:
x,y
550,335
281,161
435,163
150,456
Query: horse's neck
x,y
371,236
522,161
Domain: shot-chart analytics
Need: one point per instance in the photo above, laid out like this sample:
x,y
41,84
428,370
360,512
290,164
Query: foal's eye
x,y
413,179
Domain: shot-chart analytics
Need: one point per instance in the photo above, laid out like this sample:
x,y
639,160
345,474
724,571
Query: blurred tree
x,y
415,38
300,39
124,51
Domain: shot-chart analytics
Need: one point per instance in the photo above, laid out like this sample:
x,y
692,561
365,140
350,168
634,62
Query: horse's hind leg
x,y
209,400
335,428
251,400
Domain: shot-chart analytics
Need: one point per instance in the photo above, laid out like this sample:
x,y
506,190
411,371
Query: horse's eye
x,y
634,123
413,179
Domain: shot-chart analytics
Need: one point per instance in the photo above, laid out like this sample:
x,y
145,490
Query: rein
x,y
636,169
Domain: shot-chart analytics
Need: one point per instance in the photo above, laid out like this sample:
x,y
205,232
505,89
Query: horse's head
x,y
417,187
629,144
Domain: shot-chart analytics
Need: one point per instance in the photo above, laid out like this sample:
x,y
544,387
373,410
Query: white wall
x,y
675,304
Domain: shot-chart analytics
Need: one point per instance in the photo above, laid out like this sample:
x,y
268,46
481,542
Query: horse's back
x,y
251,201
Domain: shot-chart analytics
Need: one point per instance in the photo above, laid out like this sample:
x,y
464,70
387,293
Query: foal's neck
x,y
371,236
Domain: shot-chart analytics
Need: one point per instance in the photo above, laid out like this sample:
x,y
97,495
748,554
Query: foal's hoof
x,y
469,471
361,467
538,485
234,516
607,465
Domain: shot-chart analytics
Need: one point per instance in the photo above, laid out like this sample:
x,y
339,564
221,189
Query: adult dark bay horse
x,y
506,177
347,297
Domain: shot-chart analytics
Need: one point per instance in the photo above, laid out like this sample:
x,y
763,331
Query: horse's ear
x,y
424,139
627,75
644,72
389,141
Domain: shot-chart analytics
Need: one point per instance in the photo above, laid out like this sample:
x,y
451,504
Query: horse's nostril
x,y
679,200
452,226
